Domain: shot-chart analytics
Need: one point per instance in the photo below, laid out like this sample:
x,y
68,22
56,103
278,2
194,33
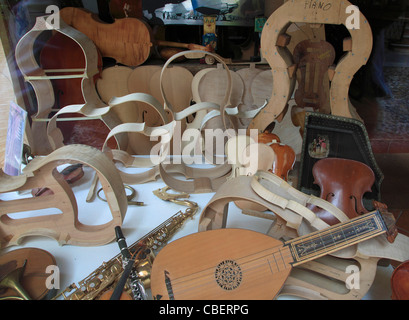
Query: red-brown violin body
x,y
343,183
400,282
284,155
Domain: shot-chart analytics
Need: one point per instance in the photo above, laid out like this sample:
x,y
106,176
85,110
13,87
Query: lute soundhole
x,y
228,275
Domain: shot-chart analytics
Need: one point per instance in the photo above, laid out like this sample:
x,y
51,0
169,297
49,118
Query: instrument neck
x,y
318,244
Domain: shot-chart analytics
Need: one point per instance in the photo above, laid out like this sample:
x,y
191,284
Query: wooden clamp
x,y
66,227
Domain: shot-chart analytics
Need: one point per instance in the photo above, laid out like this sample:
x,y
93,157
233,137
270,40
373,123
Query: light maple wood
x,y
177,85
139,81
280,59
47,136
326,279
127,40
64,227
112,83
268,190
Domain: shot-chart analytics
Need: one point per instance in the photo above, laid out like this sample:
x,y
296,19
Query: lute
x,y
235,264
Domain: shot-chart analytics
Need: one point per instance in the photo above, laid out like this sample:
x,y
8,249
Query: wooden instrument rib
x,y
242,264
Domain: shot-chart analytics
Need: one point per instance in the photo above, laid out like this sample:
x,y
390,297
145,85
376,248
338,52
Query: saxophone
x,y
105,277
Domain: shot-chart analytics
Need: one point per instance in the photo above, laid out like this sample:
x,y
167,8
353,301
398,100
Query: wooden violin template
x,y
65,227
63,53
241,264
43,83
274,42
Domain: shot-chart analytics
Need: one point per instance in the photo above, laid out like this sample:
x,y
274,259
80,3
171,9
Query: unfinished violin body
x,y
127,40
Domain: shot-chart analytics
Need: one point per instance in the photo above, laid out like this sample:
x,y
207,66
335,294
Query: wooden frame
x,y
41,83
281,60
65,227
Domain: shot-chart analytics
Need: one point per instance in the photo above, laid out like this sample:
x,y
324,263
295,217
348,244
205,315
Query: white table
x,y
75,263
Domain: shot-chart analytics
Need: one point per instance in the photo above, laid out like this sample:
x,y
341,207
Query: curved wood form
x,y
343,182
202,180
42,85
248,75
281,61
105,114
326,279
65,227
271,192
127,40
177,84
34,262
63,53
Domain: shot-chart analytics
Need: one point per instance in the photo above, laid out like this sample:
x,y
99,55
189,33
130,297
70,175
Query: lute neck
x,y
318,244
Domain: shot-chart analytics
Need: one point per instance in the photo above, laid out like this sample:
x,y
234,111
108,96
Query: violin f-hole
x,y
356,205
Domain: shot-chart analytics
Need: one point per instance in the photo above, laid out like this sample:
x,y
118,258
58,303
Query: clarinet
x,y
129,274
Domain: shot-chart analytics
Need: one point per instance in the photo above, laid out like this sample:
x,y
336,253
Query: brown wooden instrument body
x,y
268,137
284,160
258,278
400,282
343,182
284,155
127,40
35,274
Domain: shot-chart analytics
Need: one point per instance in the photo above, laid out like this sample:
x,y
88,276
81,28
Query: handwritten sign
x,y
15,140
317,5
